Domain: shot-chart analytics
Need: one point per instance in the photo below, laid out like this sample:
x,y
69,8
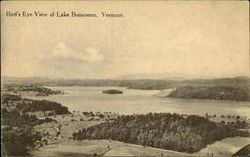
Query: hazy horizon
x,y
208,40
131,77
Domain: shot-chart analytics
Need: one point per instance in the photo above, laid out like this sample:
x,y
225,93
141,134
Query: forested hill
x,y
162,130
136,84
25,105
18,135
231,89
232,93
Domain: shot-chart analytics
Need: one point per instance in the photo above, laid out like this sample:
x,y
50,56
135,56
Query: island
x,y
112,91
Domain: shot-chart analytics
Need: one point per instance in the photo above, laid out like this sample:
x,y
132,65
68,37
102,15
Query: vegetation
x,y
162,130
43,106
233,93
136,84
18,142
40,91
88,114
18,135
10,98
241,124
29,105
14,118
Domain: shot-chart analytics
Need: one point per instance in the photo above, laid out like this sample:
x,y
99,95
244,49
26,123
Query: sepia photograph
x,y
125,78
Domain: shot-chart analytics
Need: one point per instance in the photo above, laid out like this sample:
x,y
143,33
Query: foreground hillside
x,y
89,148
19,119
163,130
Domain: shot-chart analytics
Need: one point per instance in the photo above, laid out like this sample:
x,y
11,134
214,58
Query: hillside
x,y
28,105
232,93
245,151
91,148
18,135
231,89
163,130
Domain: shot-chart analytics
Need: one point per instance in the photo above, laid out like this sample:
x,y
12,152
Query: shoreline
x,y
74,122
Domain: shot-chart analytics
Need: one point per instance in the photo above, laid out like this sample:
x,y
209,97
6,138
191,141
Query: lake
x,y
133,101
85,98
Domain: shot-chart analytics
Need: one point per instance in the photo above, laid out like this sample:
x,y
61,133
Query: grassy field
x,y
101,148
69,123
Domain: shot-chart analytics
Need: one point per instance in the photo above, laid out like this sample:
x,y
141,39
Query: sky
x,y
206,39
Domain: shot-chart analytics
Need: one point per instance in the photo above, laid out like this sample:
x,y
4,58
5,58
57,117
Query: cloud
x,y
89,54
92,54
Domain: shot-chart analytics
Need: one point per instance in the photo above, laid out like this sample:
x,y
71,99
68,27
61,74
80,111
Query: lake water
x,y
82,98
132,101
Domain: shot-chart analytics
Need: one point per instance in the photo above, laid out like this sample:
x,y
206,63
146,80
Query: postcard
x,y
125,78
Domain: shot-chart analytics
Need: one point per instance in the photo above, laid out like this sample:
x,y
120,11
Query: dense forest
x,y
18,136
14,118
162,130
233,93
43,106
6,98
28,105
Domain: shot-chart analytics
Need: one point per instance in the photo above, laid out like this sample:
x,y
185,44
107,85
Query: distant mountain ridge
x,y
159,76
156,76
169,76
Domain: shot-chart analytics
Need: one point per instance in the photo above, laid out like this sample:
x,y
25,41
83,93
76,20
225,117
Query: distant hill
x,y
136,81
159,76
232,93
25,80
232,89
166,76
